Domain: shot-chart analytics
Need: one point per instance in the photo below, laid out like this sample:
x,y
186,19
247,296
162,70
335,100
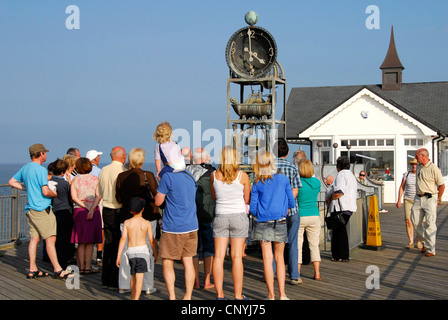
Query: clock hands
x,y
252,54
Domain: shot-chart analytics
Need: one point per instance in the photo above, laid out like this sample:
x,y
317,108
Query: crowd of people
x,y
74,206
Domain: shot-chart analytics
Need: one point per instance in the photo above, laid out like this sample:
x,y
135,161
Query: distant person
x,y
430,188
94,157
205,206
74,152
329,180
167,151
136,232
230,188
132,183
309,214
71,164
342,197
63,210
179,239
270,199
86,216
298,156
362,178
39,214
292,173
111,216
186,153
408,189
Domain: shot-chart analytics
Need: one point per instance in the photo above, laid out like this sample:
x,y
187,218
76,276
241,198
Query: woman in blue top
x,y
271,196
309,214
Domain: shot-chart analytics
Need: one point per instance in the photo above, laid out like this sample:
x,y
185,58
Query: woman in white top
x,y
230,188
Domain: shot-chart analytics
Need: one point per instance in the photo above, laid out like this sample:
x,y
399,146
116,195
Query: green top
x,y
307,197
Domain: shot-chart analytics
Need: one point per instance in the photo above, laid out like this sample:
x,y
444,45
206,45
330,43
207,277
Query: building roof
x,y
426,102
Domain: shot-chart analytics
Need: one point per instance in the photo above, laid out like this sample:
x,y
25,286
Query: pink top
x,y
85,186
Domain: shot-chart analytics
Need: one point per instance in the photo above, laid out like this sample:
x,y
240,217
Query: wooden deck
x,y
404,274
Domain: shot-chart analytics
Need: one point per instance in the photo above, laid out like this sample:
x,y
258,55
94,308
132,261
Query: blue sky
x,y
133,64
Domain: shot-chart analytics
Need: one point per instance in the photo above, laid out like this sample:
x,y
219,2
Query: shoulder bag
x,y
335,219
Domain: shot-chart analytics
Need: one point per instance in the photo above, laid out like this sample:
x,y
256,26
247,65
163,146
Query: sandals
x,y
57,275
410,245
36,274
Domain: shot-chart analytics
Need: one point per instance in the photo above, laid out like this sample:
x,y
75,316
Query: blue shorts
x,y
138,259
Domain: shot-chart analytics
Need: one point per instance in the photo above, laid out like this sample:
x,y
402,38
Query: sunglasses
x,y
362,175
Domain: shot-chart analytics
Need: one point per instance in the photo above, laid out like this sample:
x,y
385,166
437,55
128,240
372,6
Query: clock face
x,y
251,52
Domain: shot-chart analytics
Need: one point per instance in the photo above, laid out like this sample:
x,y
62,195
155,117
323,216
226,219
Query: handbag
x,y
149,196
335,219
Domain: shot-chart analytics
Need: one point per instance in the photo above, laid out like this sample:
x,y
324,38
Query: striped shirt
x,y
410,185
292,173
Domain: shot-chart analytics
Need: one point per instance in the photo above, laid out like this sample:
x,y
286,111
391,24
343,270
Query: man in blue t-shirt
x,y
179,228
40,217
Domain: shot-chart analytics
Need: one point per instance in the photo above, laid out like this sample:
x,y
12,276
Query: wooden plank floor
x,y
404,274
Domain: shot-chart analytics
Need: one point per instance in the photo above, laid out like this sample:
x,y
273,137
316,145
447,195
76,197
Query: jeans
x,y
293,248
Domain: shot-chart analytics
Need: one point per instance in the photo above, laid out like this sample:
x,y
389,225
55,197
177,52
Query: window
x,y
379,164
413,142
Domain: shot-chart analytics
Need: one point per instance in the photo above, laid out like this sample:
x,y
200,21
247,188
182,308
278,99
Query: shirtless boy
x,y
135,231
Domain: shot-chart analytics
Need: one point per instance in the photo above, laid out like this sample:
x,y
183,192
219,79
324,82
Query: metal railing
x,y
13,224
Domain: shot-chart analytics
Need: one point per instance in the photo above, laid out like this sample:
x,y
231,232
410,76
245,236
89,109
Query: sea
x,y
9,169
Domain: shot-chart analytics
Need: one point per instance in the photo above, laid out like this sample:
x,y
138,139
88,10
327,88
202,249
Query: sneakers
x,y
153,290
296,281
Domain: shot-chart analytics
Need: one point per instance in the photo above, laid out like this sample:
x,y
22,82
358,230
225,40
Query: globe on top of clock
x,y
251,51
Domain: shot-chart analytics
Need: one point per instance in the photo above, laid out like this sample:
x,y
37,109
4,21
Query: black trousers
x,y
65,250
339,240
112,235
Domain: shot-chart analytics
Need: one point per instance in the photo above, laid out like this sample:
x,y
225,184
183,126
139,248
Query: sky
x,y
133,64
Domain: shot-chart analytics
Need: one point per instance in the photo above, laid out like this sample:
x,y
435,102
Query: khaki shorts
x,y
42,224
175,246
407,208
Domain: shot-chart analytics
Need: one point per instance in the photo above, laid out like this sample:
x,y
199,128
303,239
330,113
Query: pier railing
x,y
13,225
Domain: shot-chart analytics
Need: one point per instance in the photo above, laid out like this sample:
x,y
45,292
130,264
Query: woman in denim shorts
x,y
271,196
230,188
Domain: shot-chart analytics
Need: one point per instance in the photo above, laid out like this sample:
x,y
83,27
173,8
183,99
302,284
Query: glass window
x,y
389,142
344,143
380,142
325,157
379,164
353,143
371,143
362,143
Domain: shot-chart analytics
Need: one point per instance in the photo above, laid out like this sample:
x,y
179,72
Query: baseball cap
x,y
136,205
38,147
92,154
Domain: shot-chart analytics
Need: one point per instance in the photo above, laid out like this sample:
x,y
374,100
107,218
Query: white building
x,y
380,126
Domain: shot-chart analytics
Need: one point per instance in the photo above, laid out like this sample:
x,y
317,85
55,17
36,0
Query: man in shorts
x,y
40,217
135,231
179,237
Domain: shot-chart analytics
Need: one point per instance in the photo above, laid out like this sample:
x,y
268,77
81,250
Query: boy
x,y
135,231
